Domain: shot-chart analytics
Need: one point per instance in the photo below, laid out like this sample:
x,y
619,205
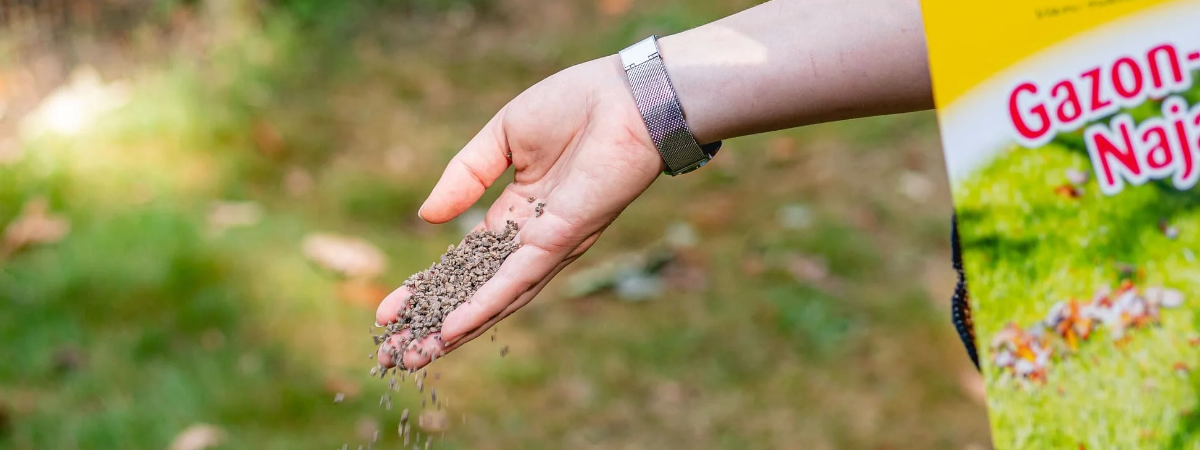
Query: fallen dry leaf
x,y
68,359
400,160
613,7
714,212
338,385
433,421
198,437
298,182
366,429
225,215
915,186
782,149
212,339
361,292
812,271
35,226
1068,191
267,138
806,269
684,277
354,258
1077,177
753,265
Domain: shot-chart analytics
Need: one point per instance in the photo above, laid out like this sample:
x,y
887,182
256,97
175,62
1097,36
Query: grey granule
x,y
445,285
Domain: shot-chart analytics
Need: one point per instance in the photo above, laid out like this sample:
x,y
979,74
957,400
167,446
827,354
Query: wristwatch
x,y
660,109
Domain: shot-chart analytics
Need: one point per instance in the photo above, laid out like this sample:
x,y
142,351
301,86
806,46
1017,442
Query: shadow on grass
x,y
1187,434
994,245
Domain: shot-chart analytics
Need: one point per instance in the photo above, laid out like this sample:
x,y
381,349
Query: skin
x,y
578,143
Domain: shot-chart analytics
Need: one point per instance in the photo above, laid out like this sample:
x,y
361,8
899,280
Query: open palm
x,y
578,145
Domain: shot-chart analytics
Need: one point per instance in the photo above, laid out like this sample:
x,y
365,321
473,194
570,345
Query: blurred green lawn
x,y
142,322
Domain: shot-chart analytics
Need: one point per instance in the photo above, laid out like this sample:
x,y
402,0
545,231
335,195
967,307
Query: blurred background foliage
x,y
204,200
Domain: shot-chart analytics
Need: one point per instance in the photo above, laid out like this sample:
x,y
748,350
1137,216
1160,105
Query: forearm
x,y
788,63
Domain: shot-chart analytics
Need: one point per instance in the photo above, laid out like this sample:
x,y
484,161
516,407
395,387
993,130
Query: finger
x,y
389,308
423,352
384,353
509,310
523,270
468,175
415,355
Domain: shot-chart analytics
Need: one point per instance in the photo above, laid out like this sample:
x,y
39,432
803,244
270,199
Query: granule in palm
x,y
445,285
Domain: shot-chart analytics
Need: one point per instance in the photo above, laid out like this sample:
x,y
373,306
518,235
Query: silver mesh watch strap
x,y
660,109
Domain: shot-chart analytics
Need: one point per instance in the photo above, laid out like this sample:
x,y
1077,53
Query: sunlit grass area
x,y
170,284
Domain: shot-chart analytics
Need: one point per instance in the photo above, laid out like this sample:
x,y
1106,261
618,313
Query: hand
x,y
578,144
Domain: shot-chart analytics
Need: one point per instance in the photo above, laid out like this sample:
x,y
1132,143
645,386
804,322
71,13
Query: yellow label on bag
x,y
1001,34
1071,131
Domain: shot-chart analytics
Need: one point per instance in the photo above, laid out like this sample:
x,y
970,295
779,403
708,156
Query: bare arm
x,y
577,141
788,63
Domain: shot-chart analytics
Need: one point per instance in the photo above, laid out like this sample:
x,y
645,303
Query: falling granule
x,y
433,395
420,385
504,351
339,397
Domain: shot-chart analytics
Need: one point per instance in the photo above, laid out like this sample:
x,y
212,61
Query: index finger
x,y
475,168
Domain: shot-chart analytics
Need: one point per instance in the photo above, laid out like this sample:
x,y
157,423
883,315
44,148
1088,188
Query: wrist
x,y
613,92
658,104
698,97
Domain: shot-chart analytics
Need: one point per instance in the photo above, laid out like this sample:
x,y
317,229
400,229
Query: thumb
x,y
468,175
